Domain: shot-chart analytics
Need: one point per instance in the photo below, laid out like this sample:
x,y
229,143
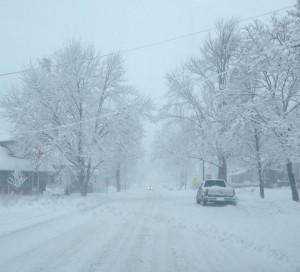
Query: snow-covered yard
x,y
150,231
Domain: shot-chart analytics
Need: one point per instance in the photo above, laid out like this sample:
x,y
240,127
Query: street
x,y
150,231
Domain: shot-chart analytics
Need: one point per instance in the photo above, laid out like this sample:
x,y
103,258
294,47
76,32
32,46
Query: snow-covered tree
x,y
274,68
195,95
212,68
76,104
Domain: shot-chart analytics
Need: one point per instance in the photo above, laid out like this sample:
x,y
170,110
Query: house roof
x,y
11,163
5,137
8,162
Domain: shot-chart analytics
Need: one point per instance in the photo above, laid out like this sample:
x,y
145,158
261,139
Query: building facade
x,y
35,179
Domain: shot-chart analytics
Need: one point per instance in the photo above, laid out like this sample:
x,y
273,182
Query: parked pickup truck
x,y
215,191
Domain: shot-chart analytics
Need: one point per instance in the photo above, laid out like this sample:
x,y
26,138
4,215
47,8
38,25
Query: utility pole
x,y
37,160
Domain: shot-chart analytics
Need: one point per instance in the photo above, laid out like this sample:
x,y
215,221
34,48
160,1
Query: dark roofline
x,y
5,142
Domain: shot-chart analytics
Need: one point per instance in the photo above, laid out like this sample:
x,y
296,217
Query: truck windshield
x,y
210,183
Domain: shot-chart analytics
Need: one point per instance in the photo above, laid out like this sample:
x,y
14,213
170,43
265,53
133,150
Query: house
x,y
46,175
36,179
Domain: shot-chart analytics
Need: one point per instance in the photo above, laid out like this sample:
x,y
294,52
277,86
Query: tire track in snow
x,y
244,243
137,245
62,234
209,248
151,251
48,253
55,218
115,251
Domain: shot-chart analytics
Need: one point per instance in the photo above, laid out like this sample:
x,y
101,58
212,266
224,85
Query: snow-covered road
x,y
151,231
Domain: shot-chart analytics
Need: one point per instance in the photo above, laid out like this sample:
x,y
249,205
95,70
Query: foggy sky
x,y
35,29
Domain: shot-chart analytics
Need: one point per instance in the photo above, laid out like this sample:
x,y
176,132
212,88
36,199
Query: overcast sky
x,y
35,29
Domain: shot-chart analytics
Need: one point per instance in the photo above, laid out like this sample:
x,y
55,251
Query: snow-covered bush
x,y
17,180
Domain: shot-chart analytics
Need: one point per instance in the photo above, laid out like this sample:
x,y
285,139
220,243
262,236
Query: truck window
x,y
218,182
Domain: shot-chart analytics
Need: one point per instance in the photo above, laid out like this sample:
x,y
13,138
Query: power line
x,y
147,45
129,50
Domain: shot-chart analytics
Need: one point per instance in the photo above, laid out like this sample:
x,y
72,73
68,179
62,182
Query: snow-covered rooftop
x,y
5,136
8,162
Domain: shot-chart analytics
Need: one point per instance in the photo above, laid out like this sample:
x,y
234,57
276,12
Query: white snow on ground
x,y
150,231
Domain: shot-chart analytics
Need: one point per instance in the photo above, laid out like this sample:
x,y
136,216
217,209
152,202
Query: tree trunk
x,y
86,180
67,180
259,164
222,171
84,188
67,188
261,180
295,193
82,182
118,178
